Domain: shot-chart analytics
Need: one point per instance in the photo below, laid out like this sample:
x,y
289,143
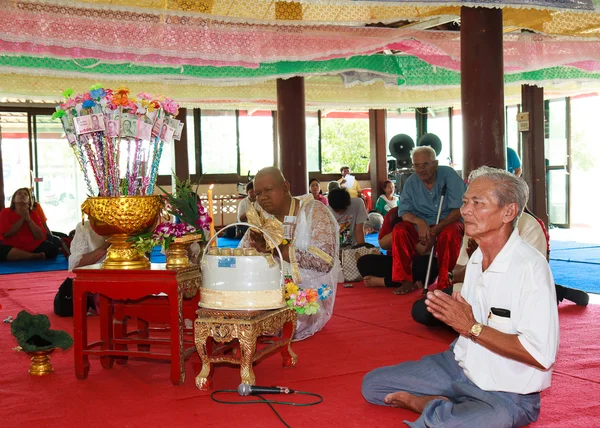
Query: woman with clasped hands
x,y
22,234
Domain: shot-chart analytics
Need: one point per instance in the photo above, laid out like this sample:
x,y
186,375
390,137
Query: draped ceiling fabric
x,y
228,53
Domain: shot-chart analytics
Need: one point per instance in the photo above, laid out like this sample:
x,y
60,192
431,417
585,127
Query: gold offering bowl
x,y
121,218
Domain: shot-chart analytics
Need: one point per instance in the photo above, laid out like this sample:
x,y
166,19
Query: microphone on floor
x,y
244,390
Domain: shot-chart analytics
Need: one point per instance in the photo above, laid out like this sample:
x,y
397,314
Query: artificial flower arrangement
x,y
118,138
185,205
305,301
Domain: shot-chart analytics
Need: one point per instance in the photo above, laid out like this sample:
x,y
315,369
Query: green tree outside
x,y
344,142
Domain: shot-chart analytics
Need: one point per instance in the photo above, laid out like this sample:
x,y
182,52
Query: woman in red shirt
x,y
22,234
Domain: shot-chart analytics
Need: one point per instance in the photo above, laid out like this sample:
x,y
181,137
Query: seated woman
x,y
388,200
310,248
87,247
22,234
315,190
350,213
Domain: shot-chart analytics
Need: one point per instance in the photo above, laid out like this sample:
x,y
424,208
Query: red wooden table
x,y
124,286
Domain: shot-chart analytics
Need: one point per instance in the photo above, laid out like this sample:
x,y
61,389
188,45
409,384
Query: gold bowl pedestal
x,y
120,218
40,363
178,254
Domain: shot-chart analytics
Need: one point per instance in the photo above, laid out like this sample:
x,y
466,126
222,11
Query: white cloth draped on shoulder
x,y
315,247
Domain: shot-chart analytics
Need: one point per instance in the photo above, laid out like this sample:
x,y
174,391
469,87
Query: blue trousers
x,y
469,405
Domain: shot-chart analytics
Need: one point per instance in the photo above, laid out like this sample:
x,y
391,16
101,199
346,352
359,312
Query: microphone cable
x,y
269,402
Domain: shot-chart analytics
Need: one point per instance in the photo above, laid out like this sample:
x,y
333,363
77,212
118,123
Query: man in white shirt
x,y
505,314
531,231
246,202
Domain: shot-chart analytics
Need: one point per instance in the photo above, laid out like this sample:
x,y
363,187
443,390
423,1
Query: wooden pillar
x,y
378,160
291,126
291,115
533,150
482,88
421,118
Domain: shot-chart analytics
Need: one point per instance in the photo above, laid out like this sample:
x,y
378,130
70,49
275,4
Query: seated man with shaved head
x,y
506,318
310,247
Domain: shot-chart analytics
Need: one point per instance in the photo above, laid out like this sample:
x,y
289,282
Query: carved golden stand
x,y
40,363
247,327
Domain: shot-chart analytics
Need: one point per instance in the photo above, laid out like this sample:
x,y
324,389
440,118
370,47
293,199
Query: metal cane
x,y
439,214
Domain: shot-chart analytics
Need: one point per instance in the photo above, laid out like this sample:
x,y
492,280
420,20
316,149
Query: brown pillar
x,y
378,161
482,88
533,150
291,126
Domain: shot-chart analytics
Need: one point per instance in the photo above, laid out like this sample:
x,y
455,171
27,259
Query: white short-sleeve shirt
x,y
519,279
85,241
243,207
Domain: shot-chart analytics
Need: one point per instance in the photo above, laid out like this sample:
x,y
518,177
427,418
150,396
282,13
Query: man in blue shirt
x,y
418,207
513,163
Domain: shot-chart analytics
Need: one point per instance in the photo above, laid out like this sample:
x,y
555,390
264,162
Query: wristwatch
x,y
476,330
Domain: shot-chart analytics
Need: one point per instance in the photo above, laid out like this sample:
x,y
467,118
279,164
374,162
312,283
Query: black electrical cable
x,y
269,402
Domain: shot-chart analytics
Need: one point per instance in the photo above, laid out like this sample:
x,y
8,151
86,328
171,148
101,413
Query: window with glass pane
x,y
218,140
585,160
457,140
256,141
312,141
167,158
345,141
15,153
557,196
400,121
145,152
512,129
190,129
556,147
438,123
63,188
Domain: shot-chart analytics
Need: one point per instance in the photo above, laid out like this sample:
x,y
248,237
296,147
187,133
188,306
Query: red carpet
x,y
370,328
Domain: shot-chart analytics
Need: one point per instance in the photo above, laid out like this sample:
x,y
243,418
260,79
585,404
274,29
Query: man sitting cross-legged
x,y
308,240
505,314
418,207
531,230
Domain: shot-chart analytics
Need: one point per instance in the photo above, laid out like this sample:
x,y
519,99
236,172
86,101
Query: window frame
x,y
233,178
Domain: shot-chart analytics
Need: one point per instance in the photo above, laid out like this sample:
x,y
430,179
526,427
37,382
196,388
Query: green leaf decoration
x,y
67,93
33,333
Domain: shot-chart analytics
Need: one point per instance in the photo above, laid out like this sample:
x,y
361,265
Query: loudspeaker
x,y
400,147
432,141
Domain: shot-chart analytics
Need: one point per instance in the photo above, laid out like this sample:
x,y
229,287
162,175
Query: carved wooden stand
x,y
249,328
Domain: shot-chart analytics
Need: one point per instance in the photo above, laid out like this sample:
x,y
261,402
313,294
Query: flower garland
x,y
305,301
108,129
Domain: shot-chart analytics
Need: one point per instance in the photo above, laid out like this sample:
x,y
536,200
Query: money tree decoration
x,y
118,138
